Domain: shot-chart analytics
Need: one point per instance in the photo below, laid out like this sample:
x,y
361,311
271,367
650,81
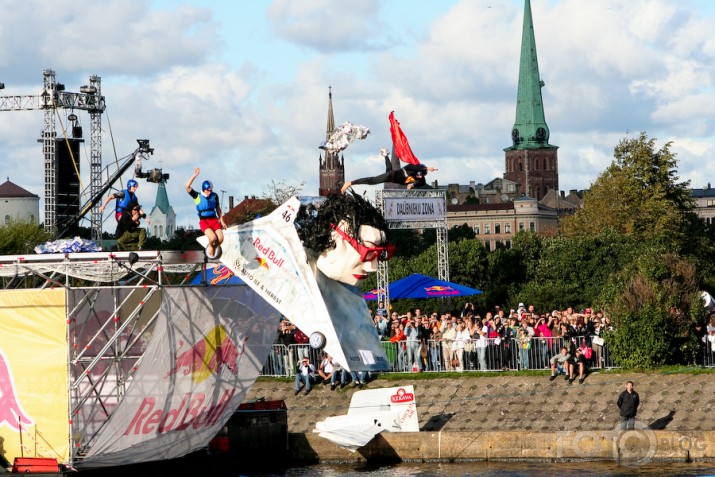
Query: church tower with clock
x,y
531,161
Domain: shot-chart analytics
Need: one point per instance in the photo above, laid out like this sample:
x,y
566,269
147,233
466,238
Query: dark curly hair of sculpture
x,y
314,221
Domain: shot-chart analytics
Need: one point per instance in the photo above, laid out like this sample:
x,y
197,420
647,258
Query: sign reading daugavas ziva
x,y
414,209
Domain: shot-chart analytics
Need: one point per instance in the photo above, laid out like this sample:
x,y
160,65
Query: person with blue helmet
x,y
208,207
124,197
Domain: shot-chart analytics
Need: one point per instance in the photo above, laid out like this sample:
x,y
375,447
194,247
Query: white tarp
x,y
268,256
207,349
371,412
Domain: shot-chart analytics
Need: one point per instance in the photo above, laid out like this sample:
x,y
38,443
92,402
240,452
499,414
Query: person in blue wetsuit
x,y
208,207
123,197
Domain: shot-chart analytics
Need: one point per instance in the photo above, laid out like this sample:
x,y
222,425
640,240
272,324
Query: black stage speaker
x,y
68,191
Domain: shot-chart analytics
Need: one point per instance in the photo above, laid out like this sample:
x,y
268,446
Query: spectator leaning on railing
x,y
449,334
482,342
460,340
434,348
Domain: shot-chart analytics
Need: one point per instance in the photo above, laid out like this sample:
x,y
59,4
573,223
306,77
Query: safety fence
x,y
493,354
708,350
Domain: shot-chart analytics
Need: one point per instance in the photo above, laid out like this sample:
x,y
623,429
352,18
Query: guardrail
x,y
491,354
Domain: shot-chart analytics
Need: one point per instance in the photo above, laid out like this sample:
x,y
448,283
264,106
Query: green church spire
x,y
162,199
530,130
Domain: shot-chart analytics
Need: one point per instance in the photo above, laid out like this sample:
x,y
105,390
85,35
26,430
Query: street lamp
x,y
222,193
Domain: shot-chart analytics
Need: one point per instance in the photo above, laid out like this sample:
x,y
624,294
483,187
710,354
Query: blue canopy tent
x,y
422,286
217,274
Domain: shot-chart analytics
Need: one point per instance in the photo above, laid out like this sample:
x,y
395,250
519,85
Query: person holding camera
x,y
305,375
128,234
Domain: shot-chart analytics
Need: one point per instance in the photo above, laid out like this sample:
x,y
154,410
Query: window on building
x,y
7,219
476,229
497,228
507,243
532,226
507,228
161,231
488,245
487,229
521,226
710,203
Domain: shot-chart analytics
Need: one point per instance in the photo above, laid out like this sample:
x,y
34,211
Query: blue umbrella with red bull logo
x,y
421,286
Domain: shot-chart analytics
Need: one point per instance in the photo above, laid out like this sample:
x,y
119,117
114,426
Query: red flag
x,y
399,141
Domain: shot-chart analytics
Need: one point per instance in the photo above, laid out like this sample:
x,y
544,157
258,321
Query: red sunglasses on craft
x,y
367,254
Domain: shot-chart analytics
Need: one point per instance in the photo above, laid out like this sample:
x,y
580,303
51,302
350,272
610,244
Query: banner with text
x,y
206,351
414,209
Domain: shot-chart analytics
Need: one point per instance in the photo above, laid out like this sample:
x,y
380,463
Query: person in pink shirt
x,y
543,331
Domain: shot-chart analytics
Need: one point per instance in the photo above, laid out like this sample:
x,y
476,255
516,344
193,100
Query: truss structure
x,y
54,97
113,300
439,223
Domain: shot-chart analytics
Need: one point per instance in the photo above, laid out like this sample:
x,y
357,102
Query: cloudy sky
x,y
240,88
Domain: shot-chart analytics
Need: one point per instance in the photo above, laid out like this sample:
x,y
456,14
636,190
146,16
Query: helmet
x,y
132,183
206,185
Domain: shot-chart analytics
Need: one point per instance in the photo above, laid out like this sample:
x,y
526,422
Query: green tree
x,y
572,271
21,237
653,302
637,195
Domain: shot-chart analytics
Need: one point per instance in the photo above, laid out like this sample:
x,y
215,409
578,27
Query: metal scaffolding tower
x,y
438,222
52,98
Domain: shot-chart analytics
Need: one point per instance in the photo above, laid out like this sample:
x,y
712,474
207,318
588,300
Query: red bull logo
x,y
223,274
195,411
216,350
402,396
262,262
439,290
269,254
11,413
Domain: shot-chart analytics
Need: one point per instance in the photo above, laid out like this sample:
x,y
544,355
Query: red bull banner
x,y
206,351
33,374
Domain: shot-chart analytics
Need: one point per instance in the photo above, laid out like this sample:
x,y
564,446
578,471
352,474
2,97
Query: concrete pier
x,y
512,417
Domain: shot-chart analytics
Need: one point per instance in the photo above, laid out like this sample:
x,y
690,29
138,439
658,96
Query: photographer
x,y
128,234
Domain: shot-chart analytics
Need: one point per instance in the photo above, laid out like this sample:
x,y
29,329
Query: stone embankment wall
x,y
519,417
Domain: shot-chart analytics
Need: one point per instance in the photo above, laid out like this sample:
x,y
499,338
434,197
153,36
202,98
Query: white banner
x,y
414,209
206,351
268,256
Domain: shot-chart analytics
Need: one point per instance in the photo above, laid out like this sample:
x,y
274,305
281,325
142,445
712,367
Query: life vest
x,y
123,203
206,206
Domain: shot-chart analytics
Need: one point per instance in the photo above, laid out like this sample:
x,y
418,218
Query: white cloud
x,y
610,67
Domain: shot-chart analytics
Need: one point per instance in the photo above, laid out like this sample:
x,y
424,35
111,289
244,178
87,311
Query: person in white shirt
x,y
305,374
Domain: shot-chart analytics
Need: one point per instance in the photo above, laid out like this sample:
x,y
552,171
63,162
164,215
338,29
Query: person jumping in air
x,y
412,175
123,197
210,217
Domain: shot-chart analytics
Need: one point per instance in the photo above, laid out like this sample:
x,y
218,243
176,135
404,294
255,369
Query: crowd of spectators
x,y
497,339
568,342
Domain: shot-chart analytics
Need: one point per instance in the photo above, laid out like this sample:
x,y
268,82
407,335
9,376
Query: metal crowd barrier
x,y
491,354
708,353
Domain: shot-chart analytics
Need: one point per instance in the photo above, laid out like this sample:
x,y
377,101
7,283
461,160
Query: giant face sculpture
x,y
353,258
